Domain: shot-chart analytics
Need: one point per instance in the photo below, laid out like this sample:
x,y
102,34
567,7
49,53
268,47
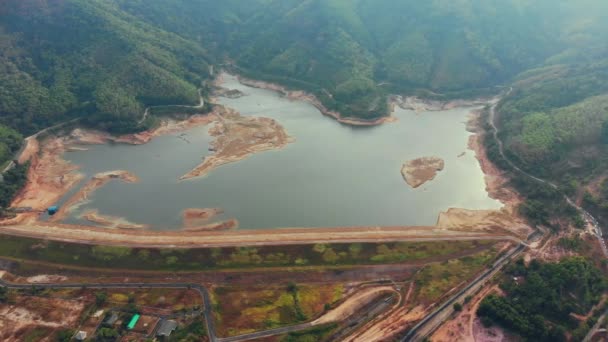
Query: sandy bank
x,y
237,137
353,304
200,239
215,226
193,214
49,177
167,126
96,182
111,221
32,147
419,171
304,96
497,186
423,105
228,93
193,217
496,182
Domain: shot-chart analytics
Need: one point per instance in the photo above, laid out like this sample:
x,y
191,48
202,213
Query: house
x,y
166,328
80,336
111,320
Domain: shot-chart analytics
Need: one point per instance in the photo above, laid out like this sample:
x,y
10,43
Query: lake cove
x,y
328,175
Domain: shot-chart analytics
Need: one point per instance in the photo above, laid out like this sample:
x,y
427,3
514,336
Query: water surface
x,y
332,175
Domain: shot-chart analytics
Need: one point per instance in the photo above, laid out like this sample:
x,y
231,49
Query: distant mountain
x,y
61,59
357,51
108,59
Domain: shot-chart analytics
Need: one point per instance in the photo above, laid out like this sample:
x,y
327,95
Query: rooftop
x,y
166,328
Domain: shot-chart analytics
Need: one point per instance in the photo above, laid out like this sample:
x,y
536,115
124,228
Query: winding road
x,y
432,321
200,105
589,219
203,292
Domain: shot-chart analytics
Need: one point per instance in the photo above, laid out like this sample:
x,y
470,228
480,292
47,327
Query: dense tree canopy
x,y
64,59
542,297
57,57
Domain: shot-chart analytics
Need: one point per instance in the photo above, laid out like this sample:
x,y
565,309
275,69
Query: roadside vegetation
x,y
65,311
13,180
436,279
320,255
544,300
555,126
351,54
245,309
319,333
106,71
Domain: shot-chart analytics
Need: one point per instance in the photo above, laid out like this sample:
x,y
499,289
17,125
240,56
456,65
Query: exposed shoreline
x,y
420,171
47,160
111,222
238,137
51,176
97,181
418,104
312,99
497,187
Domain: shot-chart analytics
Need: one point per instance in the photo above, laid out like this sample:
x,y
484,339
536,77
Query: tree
x,y
100,298
3,294
330,256
604,133
457,307
107,334
64,335
292,287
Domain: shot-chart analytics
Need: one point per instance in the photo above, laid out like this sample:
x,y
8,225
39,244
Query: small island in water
x,y
419,171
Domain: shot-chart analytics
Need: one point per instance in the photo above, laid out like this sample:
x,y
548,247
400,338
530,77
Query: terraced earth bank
x,y
302,169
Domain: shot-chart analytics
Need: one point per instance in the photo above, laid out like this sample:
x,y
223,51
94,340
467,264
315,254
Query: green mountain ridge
x,y
108,59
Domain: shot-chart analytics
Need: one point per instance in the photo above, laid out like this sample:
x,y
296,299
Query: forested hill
x,y
68,58
357,51
108,59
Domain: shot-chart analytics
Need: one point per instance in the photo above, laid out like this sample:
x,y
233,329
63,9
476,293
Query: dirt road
x,y
184,239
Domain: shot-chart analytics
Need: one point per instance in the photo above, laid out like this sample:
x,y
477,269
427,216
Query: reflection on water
x,y
332,175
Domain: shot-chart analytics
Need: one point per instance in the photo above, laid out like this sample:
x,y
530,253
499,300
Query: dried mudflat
x,y
418,171
237,137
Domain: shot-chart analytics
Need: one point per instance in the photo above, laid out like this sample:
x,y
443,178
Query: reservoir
x,y
331,175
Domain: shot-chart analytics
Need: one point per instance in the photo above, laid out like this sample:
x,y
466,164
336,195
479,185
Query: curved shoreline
x,y
313,100
455,223
208,239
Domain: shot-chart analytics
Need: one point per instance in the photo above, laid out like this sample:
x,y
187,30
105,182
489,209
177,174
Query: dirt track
x,y
185,239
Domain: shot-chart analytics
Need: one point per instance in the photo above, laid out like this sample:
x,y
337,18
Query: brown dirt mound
x,y
419,171
238,137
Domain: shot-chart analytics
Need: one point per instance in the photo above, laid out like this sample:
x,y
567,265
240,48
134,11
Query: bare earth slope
x,y
419,171
238,137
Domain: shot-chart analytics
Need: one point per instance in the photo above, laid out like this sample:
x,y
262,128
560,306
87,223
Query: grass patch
x,y
313,334
200,259
36,334
436,279
191,332
241,310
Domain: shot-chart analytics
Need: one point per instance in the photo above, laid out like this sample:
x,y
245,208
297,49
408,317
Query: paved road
x,y
589,219
201,104
266,333
296,236
437,317
595,327
11,164
203,292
